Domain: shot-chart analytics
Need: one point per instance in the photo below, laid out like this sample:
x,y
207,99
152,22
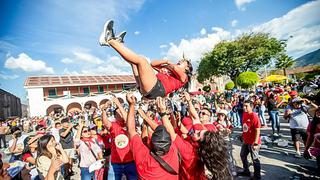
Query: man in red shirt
x,y
162,161
251,140
122,161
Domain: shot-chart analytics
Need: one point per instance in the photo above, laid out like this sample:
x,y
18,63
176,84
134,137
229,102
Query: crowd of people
x,y
182,136
168,134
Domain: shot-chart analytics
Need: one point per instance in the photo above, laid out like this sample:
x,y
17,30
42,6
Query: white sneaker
x,y
106,34
120,36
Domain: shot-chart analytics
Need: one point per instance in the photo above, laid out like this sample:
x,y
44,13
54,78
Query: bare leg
x,y
146,75
136,76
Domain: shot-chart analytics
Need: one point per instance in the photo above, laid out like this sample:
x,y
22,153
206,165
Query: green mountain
x,y
312,58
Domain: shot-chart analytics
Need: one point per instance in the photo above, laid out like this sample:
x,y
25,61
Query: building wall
x,y
36,102
10,105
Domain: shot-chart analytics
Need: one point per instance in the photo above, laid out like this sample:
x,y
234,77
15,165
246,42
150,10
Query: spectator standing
x,y
251,141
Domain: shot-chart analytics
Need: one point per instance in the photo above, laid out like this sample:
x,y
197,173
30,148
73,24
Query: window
x,y
100,89
52,92
86,90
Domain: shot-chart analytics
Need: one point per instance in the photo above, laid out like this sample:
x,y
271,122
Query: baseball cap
x,y
161,140
293,93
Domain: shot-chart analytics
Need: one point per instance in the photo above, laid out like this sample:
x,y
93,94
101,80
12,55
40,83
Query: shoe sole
x,y
107,26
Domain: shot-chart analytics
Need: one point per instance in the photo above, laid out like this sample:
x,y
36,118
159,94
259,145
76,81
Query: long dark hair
x,y
314,123
189,75
26,146
42,146
213,153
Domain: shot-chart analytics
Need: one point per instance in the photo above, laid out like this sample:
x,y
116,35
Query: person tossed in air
x,y
170,77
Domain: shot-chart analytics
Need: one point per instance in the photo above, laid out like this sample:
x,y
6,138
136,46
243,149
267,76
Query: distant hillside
x,y
312,58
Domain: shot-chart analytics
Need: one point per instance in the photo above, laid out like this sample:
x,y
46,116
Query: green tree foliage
x,y
229,85
248,52
284,62
247,79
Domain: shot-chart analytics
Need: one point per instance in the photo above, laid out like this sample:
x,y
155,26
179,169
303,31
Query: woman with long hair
x,y
50,157
170,77
313,141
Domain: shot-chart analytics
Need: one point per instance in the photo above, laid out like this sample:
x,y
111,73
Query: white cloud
x,y
117,62
67,72
195,48
301,26
233,23
203,31
302,23
137,32
66,60
27,64
163,46
105,70
86,57
240,4
7,76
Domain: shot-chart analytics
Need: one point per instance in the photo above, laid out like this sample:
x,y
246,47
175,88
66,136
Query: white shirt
x,y
19,144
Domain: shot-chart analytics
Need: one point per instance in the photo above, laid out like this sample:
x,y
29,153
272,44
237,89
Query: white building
x,y
50,94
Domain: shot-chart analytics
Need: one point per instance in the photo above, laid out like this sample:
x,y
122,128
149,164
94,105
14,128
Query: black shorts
x,y
296,133
156,91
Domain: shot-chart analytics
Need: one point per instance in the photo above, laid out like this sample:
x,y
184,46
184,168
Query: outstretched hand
x,y
131,98
161,104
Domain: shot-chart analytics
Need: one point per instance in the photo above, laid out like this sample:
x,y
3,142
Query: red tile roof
x,y
58,81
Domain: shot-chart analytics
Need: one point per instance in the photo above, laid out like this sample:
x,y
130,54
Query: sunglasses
x,y
203,113
85,131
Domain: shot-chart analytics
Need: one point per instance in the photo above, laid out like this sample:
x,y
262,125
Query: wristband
x,y
163,114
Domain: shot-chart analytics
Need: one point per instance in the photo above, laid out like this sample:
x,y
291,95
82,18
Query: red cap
x,y
293,93
198,127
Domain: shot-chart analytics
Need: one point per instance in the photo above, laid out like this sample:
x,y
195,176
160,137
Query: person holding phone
x,y
16,144
51,157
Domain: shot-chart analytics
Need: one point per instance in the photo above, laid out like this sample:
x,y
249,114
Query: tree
x,y
247,79
248,52
229,85
284,62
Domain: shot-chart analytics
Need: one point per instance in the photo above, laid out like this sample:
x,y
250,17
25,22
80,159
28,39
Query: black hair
x,y
213,153
66,119
248,102
38,127
189,75
14,129
42,146
315,121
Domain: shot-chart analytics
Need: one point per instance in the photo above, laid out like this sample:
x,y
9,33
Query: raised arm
x,y
156,63
192,111
165,118
130,118
65,133
105,120
123,112
147,119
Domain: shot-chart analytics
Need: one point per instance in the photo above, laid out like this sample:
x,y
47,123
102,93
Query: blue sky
x,y
60,37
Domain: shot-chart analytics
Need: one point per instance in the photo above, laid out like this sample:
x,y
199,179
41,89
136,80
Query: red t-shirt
x,y
26,156
170,82
120,149
106,140
250,123
191,167
220,126
211,127
147,167
316,135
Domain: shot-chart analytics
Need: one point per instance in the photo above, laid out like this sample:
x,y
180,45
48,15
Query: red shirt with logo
x,y
191,167
147,167
170,82
250,123
120,148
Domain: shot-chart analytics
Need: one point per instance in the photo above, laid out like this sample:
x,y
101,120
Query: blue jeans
x,y
117,170
275,122
85,174
262,118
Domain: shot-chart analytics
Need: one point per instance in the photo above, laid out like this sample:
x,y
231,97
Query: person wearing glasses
x,y
170,77
89,151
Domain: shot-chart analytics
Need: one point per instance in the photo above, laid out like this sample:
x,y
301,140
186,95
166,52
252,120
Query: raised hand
x,y
161,105
187,96
131,98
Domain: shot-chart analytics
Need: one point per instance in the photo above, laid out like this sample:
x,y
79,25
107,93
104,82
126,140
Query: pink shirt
x,y
87,157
